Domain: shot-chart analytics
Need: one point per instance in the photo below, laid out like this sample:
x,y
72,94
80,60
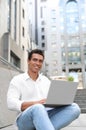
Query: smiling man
x,y
28,92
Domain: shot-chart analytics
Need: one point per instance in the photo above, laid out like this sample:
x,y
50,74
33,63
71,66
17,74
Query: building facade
x,y
37,25
73,36
53,52
43,19
59,28
14,37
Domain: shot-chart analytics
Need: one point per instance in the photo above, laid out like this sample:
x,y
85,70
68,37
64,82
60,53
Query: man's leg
x,y
35,117
63,116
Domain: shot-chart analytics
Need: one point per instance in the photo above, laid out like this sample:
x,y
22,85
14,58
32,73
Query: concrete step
x,y
83,110
80,99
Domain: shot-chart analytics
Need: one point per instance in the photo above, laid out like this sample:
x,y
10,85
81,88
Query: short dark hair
x,y
36,51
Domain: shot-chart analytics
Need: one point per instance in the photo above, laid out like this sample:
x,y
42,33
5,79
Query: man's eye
x,y
34,59
40,61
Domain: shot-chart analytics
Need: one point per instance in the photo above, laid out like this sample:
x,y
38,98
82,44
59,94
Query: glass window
x,y
43,0
53,28
53,44
23,13
15,18
42,29
74,55
15,60
55,54
9,16
43,22
53,13
41,10
53,21
43,37
72,17
23,31
43,45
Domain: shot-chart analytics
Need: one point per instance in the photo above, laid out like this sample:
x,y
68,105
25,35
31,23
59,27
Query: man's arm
x,y
25,105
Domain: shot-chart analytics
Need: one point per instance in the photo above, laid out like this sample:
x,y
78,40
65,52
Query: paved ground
x,y
79,124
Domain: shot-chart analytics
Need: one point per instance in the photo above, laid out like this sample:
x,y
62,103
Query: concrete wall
x,y
7,117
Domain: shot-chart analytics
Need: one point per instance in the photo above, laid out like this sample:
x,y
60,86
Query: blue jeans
x,y
36,117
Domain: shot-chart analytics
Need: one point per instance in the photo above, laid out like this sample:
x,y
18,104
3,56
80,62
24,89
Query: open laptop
x,y
61,93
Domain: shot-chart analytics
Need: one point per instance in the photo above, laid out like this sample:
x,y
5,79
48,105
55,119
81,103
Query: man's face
x,y
35,64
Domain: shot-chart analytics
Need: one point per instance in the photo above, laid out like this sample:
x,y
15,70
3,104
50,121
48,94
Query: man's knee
x,y
38,110
38,107
76,109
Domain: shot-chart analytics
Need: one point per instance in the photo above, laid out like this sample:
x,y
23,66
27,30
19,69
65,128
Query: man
x,y
28,92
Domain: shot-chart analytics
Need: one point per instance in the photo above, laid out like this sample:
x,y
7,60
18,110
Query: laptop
x,y
61,93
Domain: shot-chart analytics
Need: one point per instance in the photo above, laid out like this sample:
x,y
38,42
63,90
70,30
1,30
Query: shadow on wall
x,y
6,116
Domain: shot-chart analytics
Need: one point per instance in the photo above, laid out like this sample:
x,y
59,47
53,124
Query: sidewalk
x,y
78,124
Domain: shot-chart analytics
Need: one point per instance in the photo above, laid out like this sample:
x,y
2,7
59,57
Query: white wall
x,y
7,117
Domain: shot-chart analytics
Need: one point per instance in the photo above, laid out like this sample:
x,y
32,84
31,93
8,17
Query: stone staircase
x,y
80,99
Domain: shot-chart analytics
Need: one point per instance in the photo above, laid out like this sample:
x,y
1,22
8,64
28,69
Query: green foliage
x,y
70,78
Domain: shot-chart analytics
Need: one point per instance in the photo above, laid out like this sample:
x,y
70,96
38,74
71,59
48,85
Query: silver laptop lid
x,y
61,93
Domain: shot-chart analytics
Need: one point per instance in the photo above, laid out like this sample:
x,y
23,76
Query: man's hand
x,y
42,101
25,105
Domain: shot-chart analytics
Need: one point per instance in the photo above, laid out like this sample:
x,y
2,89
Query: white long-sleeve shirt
x,y
23,88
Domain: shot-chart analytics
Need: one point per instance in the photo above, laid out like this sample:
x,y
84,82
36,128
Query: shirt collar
x,y
26,76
